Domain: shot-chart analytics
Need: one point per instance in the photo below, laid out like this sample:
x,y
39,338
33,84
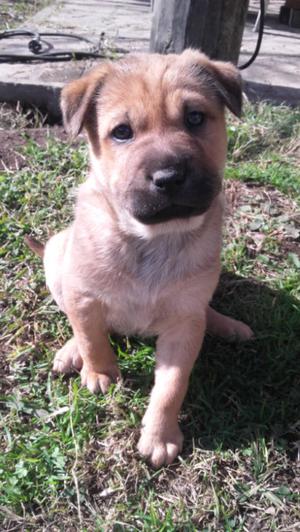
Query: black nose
x,y
170,178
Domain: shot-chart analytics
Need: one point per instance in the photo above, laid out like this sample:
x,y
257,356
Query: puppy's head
x,y
156,130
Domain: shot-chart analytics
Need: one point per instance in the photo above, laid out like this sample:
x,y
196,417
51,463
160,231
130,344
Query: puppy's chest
x,y
137,296
131,309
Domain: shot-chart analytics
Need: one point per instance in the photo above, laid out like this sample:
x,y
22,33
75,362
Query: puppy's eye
x,y
122,133
194,119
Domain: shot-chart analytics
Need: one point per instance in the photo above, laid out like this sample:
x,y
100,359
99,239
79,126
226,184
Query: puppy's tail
x,y
35,245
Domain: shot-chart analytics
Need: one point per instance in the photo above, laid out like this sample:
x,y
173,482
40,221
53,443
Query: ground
x,y
68,459
15,12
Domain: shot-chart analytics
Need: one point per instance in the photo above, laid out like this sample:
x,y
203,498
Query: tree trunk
x,y
214,26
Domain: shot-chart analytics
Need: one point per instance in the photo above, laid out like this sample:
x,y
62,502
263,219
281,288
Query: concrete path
x,y
275,74
126,24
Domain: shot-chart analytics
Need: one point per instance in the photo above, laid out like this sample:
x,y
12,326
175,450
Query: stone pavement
x,y
275,74
126,24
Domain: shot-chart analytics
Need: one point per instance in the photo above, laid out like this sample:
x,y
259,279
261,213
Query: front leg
x,y
177,349
99,364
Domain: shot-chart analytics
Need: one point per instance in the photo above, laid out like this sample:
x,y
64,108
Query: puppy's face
x,y
157,134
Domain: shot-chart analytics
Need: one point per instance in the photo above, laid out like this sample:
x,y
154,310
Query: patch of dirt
x,y
5,380
14,12
13,141
261,213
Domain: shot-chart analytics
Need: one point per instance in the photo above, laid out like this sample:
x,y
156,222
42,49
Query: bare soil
x,y
13,141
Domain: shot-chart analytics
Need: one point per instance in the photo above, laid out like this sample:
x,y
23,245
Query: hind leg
x,y
67,359
220,325
53,263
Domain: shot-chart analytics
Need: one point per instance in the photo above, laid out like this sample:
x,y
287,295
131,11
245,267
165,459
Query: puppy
x,y
142,255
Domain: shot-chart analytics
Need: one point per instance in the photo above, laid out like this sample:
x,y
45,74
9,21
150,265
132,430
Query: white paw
x,y
99,381
160,447
67,359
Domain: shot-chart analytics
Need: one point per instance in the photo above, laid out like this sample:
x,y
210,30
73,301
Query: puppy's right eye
x,y
122,133
194,119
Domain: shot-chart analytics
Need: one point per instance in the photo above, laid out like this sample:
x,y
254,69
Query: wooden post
x,y
214,26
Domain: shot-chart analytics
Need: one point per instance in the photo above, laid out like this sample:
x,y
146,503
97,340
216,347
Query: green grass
x,y
265,147
68,459
15,12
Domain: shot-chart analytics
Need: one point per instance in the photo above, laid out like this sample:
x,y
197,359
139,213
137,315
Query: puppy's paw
x,y
160,448
226,327
99,382
67,359
238,331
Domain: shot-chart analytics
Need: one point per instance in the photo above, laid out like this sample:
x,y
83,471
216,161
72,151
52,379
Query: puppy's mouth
x,y
150,206
171,212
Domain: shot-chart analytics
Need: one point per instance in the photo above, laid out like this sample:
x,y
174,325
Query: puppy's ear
x,y
228,83
78,99
223,77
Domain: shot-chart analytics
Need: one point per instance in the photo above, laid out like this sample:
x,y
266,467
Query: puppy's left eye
x,y
194,118
122,133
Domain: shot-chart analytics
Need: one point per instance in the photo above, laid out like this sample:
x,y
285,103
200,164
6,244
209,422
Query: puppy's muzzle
x,y
172,191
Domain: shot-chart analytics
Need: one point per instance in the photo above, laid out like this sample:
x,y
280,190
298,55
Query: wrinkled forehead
x,y
157,86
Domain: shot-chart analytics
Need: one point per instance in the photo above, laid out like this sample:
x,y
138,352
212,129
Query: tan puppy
x,y
142,255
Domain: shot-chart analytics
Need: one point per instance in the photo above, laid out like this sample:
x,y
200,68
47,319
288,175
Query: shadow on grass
x,y
239,392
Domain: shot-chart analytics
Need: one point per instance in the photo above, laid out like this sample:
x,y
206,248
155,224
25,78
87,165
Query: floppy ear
x,y
223,77
78,98
228,83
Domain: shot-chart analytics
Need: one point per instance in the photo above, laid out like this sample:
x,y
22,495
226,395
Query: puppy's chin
x,y
167,214
130,225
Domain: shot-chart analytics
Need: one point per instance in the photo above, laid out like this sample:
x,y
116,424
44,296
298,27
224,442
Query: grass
x,y
268,137
68,459
15,12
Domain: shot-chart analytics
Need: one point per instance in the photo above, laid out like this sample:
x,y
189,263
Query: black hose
x,y
259,38
52,57
41,49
